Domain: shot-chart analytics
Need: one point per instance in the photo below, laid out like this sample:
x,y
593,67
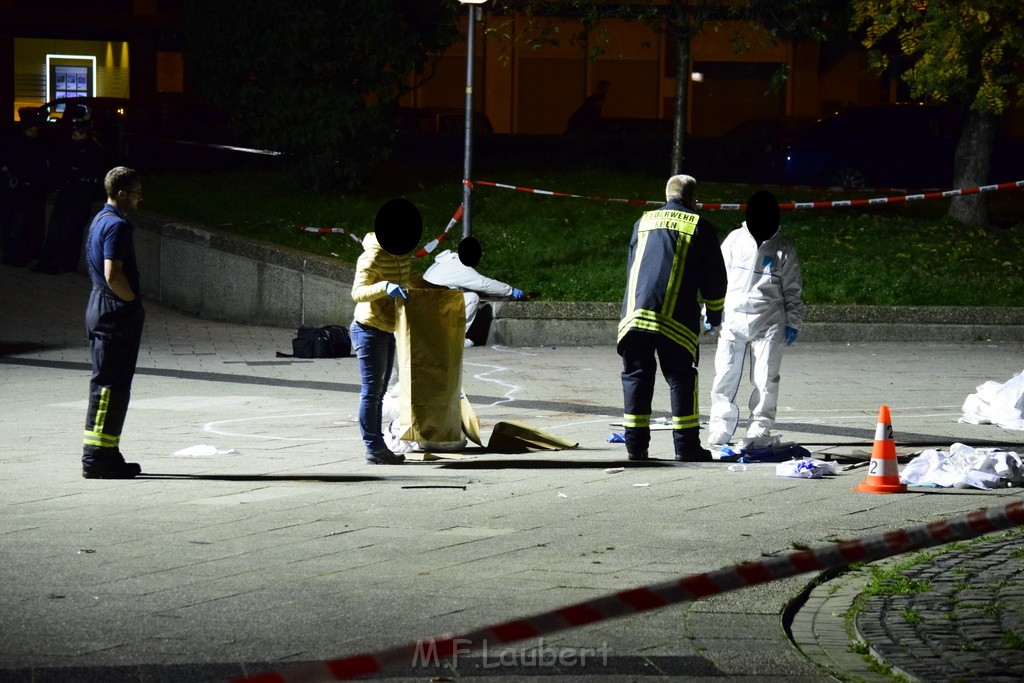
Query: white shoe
x,y
717,440
758,432
469,342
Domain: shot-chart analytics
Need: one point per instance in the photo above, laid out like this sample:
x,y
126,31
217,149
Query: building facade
x,y
133,48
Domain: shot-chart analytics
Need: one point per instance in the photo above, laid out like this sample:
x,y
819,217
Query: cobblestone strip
x,y
967,625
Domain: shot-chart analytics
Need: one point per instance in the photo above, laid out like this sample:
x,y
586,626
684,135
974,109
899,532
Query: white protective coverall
x,y
448,271
764,297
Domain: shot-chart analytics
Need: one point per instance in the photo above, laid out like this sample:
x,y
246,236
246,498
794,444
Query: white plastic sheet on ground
x,y
964,467
806,468
998,404
203,451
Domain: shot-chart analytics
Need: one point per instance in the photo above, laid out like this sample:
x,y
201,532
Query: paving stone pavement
x,y
285,548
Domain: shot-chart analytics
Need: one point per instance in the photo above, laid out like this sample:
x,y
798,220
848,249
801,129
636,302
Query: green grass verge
x,y
574,249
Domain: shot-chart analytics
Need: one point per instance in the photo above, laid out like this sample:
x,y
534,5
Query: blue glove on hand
x,y
395,291
518,294
791,334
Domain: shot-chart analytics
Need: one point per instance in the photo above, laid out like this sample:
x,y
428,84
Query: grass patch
x,y
892,581
574,249
1013,640
912,617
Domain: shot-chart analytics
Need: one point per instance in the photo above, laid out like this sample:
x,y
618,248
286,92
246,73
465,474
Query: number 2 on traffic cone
x,y
883,471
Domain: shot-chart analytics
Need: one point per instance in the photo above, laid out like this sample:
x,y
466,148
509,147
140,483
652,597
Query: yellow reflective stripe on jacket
x,y
662,321
714,304
681,222
641,246
655,322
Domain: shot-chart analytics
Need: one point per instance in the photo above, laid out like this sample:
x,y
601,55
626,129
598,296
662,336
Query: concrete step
x,y
220,276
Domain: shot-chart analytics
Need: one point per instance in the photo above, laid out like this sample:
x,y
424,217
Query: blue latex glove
x,y
395,291
791,334
518,294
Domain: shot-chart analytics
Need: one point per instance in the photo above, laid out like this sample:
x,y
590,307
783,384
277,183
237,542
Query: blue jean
x,y
375,350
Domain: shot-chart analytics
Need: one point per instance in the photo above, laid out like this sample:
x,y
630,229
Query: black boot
x,y
101,464
688,448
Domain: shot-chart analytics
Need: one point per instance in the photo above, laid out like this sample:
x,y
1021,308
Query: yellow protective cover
x,y
429,332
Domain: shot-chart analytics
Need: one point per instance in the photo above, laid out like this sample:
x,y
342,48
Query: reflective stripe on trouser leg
x,y
104,418
680,371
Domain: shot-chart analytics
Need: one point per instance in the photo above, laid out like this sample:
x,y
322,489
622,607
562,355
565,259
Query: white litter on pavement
x,y
203,451
806,468
964,467
998,404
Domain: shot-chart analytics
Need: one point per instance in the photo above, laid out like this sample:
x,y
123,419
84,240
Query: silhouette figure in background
x,y
24,171
80,168
587,117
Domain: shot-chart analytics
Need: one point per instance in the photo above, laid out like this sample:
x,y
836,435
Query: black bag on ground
x,y
330,341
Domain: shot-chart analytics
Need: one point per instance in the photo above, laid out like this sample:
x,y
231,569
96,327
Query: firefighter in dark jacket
x,y
675,265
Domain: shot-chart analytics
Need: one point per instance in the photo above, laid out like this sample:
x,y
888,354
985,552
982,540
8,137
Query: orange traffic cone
x,y
883,473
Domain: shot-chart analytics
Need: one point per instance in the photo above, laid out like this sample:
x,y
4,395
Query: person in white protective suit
x,y
763,309
447,270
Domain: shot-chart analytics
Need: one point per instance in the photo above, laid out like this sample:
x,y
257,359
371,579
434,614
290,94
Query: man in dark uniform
x,y
23,162
113,320
675,264
80,167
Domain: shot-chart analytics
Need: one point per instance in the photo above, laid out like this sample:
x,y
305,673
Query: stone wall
x,y
216,275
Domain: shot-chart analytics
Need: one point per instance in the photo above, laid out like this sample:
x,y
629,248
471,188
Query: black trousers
x,y
72,211
115,334
642,352
23,224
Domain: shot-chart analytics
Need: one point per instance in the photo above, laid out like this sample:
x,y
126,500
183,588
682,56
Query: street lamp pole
x,y
467,165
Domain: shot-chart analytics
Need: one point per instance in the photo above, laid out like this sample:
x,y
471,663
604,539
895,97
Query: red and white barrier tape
x,y
552,193
642,599
327,231
432,244
789,205
421,252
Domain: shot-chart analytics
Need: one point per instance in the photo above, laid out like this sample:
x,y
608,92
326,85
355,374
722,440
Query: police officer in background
x,y
80,168
23,168
675,264
113,320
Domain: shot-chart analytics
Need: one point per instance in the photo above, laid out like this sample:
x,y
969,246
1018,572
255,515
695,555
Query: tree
x,y
682,21
968,53
314,78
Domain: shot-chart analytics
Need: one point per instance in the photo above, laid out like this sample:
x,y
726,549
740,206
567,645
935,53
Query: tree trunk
x,y
971,167
682,86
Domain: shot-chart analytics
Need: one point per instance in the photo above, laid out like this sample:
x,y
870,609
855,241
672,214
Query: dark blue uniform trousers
x,y
639,370
115,334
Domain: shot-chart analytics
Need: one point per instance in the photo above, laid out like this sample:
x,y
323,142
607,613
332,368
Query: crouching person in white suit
x,y
448,271
764,309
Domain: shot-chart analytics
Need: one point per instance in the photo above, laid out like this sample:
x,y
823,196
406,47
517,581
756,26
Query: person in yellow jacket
x,y
383,273
675,264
